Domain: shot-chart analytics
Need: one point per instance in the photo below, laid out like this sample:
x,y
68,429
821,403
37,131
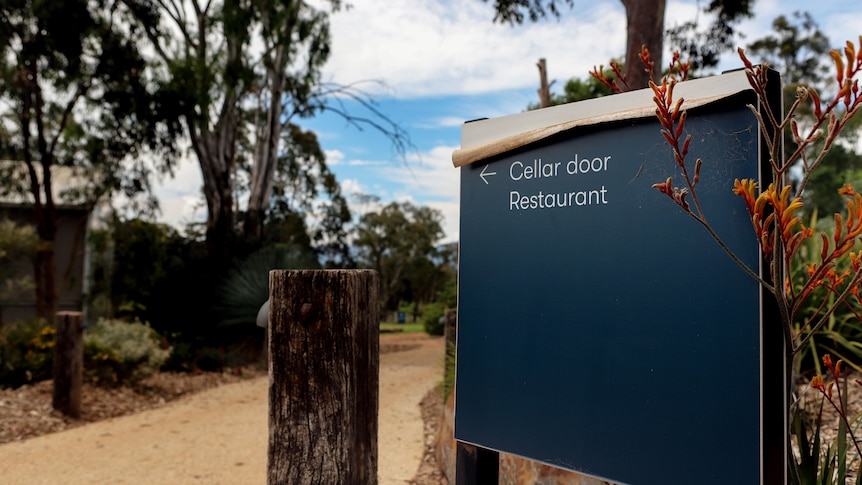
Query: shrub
x,y
26,352
431,318
117,352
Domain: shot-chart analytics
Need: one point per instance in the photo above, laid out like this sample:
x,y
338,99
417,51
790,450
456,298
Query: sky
x,y
431,65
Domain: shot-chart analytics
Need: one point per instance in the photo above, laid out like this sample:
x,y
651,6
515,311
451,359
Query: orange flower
x,y
827,361
817,383
745,189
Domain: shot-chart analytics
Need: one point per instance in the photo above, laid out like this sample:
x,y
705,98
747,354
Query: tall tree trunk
x,y
216,153
645,28
44,214
44,276
215,146
269,129
265,157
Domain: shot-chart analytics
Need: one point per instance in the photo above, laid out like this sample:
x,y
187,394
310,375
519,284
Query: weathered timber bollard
x,y
323,377
68,363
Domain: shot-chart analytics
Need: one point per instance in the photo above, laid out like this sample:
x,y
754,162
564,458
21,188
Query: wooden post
x,y
323,377
68,363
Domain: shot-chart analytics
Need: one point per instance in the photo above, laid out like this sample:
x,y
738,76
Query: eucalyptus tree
x,y
246,71
76,93
798,49
399,241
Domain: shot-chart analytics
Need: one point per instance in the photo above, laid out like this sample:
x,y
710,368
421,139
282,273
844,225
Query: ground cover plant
x,y
814,275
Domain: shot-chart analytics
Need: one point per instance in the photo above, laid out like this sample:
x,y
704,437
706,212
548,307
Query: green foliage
x,y
796,48
402,327
160,276
808,458
16,241
245,112
431,318
301,179
841,336
118,352
704,46
578,90
96,100
76,94
448,294
26,352
399,242
449,371
840,166
141,257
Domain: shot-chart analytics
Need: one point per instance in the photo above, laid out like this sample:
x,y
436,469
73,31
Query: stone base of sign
x,y
444,448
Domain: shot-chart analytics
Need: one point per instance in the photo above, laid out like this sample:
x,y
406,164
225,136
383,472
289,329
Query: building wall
x,y
70,249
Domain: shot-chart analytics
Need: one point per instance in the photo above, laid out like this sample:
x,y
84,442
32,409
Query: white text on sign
x,y
523,171
539,169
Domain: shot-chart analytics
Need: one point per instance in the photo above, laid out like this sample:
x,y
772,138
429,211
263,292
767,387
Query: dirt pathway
x,y
220,436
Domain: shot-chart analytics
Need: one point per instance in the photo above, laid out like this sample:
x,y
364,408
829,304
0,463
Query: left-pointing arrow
x,y
486,174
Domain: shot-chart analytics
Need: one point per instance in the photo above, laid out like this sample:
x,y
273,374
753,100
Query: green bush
x,y
118,352
841,336
431,317
26,352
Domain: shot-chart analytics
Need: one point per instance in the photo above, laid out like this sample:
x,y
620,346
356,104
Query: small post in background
x,y
68,370
544,86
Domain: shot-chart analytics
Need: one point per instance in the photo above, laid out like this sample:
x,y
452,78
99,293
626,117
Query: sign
x,y
600,328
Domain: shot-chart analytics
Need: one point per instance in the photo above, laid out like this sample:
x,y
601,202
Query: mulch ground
x,y
26,412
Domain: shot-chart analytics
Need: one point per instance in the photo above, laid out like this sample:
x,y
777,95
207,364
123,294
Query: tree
x,y
644,27
399,242
302,174
703,47
75,92
140,255
216,71
797,48
245,70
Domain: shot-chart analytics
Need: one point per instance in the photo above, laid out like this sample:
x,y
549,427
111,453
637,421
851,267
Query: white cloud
x,y
435,182
351,187
180,198
334,157
444,122
424,48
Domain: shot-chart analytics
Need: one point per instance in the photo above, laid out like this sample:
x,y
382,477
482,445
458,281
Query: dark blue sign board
x,y
601,329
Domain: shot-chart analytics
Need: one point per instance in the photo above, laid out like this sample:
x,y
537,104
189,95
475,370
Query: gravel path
x,y
219,436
